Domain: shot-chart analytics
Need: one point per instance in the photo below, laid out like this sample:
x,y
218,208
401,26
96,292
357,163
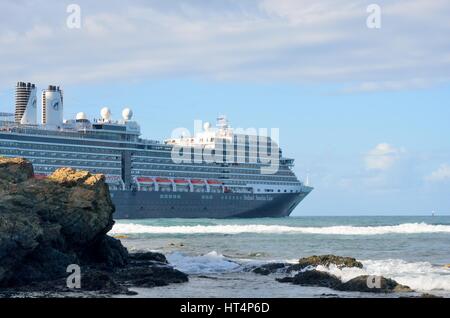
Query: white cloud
x,y
441,174
269,40
382,157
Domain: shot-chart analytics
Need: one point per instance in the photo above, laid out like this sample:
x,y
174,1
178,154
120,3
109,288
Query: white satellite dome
x,y
207,126
127,114
105,113
81,116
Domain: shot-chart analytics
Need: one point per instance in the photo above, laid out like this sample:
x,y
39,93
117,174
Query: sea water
x,y
217,254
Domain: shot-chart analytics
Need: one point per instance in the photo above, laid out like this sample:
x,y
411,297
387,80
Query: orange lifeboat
x,y
145,179
180,181
214,182
40,176
197,181
163,180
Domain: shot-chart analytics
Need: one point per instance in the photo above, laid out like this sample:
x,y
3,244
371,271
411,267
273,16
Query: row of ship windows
x,y
45,149
48,147
76,163
203,169
55,155
207,168
50,169
163,153
170,196
229,176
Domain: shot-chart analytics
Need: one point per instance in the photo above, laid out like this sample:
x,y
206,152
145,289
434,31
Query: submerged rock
x,y
270,268
149,256
46,225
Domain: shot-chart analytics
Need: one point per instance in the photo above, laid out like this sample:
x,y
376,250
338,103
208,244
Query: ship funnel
x,y
26,109
52,106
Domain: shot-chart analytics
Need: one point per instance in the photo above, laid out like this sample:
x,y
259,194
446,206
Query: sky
x,y
364,111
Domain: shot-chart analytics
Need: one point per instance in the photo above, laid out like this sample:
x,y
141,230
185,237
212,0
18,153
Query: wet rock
x,y
313,278
103,282
108,251
148,256
364,283
151,276
327,260
373,284
270,268
48,224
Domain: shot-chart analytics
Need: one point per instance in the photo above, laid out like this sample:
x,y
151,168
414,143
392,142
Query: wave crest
x,y
406,228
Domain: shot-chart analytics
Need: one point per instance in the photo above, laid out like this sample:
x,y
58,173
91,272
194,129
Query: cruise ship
x,y
217,172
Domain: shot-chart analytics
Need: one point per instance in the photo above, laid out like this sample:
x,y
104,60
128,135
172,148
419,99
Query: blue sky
x,y
365,111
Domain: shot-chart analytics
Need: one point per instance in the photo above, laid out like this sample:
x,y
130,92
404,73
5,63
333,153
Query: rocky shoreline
x,y
54,232
307,275
54,243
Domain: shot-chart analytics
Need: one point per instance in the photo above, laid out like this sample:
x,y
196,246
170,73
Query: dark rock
x,y
148,256
327,260
313,278
46,225
426,295
368,284
287,279
102,281
108,251
270,268
151,276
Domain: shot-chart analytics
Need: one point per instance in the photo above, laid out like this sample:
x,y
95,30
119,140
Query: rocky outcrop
x,y
15,170
48,224
362,283
313,278
311,261
308,275
371,284
270,268
327,260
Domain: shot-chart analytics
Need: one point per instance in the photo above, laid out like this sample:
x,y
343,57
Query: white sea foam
x,y
406,228
421,276
212,262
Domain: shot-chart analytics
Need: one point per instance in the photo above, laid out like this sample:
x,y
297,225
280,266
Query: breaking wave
x,y
421,276
406,228
212,262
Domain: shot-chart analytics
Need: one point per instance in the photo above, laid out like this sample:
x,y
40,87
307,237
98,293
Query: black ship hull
x,y
142,204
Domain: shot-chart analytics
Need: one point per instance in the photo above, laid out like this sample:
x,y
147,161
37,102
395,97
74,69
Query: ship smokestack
x,y
26,108
52,106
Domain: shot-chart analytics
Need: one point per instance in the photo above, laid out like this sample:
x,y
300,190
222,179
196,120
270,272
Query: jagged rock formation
x,y
308,275
362,283
314,261
45,225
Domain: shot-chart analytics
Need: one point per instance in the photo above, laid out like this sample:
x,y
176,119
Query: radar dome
x,y
127,114
105,113
81,116
207,126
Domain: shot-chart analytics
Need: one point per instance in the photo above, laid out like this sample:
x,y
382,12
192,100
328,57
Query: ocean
x,y
217,254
